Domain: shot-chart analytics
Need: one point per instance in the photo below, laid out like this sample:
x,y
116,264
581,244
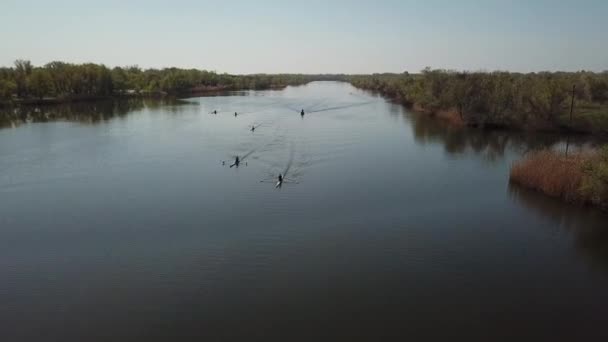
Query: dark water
x,y
118,222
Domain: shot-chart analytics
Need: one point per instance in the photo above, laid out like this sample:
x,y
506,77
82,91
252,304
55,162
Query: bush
x,y
7,88
580,177
595,181
551,172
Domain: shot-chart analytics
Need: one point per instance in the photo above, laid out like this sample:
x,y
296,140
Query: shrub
x,y
552,172
580,177
595,180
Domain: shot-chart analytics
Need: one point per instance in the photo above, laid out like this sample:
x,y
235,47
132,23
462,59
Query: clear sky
x,y
310,36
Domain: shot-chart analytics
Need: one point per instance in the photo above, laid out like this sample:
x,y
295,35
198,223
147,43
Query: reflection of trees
x,y
491,144
83,112
587,225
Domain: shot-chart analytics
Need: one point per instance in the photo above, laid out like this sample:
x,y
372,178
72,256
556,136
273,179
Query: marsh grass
x,y
580,177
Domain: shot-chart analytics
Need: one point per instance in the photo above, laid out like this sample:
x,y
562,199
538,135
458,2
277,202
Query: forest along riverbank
x,y
60,82
546,101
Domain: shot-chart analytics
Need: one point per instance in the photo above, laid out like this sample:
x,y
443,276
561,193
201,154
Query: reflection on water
x,y
490,144
587,226
83,112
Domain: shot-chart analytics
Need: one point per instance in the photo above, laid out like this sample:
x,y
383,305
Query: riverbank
x,y
195,91
449,115
580,177
574,102
48,101
59,82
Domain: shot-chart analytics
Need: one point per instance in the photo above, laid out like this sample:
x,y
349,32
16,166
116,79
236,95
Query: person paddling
x,y
302,112
237,161
280,180
235,114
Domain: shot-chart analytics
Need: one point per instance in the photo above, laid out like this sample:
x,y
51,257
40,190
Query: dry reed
x,y
552,172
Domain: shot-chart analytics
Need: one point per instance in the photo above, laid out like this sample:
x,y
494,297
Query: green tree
x,y
23,69
41,83
7,88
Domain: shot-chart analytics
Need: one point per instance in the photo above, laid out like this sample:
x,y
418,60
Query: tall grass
x,y
577,177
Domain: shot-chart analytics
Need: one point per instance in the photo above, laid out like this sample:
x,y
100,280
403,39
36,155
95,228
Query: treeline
x,y
534,100
59,80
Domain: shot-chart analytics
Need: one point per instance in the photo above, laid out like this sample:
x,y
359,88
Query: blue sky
x,y
310,36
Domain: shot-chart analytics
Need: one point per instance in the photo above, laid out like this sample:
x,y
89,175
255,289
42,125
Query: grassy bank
x,y
533,101
577,177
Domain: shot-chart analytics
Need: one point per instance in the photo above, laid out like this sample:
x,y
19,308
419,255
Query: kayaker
x,y
237,161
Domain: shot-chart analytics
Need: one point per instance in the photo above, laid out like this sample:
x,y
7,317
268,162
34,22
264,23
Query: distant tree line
x,y
532,100
60,80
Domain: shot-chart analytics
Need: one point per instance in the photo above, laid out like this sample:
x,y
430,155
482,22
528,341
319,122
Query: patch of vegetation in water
x,y
580,177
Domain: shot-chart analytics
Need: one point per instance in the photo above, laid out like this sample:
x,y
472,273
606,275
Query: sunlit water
x,y
119,222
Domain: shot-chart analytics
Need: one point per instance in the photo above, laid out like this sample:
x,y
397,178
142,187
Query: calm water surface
x,y
119,222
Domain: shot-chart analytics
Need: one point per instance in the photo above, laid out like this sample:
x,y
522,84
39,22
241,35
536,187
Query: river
x,y
124,222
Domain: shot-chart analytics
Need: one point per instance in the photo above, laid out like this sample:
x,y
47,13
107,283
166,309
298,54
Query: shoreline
x,y
579,178
562,102
51,101
453,117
